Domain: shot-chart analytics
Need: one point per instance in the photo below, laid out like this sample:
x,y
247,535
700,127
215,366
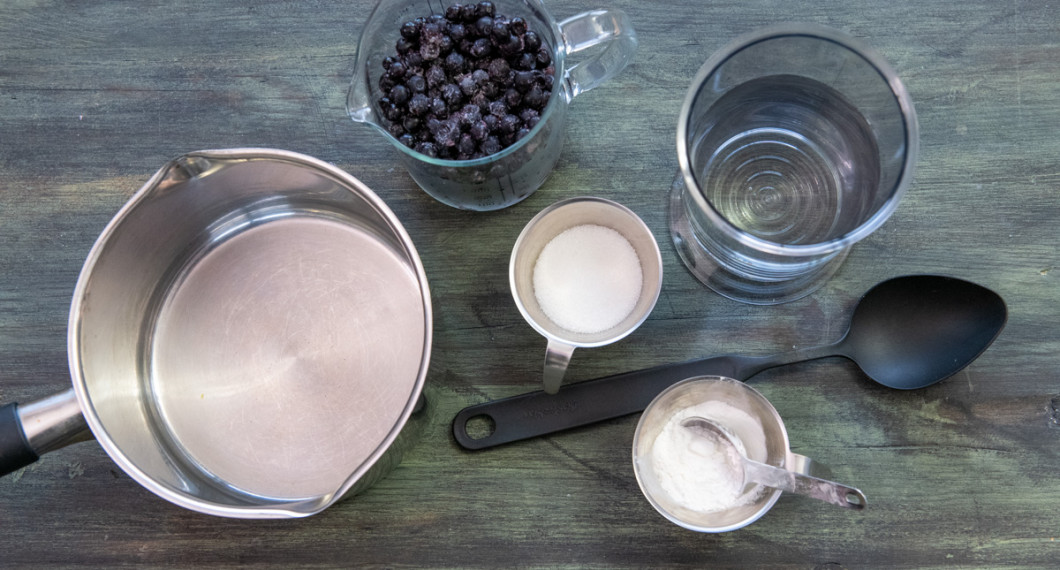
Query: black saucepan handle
x,y
582,403
15,452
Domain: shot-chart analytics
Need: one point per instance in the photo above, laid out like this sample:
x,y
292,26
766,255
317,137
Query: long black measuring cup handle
x,y
581,403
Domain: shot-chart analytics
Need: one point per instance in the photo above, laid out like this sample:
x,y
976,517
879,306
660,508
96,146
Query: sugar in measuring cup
x,y
584,272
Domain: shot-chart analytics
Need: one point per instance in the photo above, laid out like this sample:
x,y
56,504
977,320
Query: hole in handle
x,y
480,427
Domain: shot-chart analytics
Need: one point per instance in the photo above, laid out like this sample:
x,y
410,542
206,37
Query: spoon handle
x,y
582,403
792,482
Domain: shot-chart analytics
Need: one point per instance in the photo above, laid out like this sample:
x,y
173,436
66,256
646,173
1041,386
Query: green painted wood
x,y
95,96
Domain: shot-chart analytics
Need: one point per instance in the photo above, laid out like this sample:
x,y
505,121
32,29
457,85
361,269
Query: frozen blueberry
x,y
410,30
523,80
544,57
479,130
500,30
481,48
498,69
468,85
412,123
446,134
419,105
427,148
457,32
397,70
414,58
454,62
439,108
392,112
485,9
531,41
404,45
481,101
510,46
452,95
498,108
518,26
513,98
445,45
399,94
535,97
471,114
466,145
525,61
416,83
436,75
491,145
484,26
396,130
509,124
429,51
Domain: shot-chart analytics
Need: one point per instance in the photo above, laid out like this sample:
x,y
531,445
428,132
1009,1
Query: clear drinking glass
x,y
794,142
509,176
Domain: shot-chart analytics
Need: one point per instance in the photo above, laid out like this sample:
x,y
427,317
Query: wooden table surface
x,y
96,96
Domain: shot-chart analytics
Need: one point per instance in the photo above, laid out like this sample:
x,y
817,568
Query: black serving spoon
x,y
906,333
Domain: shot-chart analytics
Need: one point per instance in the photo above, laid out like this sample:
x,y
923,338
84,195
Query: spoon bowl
x,y
914,331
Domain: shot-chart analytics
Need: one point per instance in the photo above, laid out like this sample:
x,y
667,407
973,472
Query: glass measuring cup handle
x,y
611,35
557,357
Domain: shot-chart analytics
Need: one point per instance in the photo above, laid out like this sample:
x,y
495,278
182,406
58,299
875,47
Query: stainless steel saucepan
x,y
249,337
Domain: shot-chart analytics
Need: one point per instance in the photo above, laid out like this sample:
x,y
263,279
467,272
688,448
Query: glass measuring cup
x,y
509,176
794,142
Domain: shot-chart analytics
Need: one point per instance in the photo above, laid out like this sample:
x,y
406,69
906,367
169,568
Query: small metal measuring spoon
x,y
751,471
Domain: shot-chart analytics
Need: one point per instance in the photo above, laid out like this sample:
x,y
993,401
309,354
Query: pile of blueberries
x,y
467,84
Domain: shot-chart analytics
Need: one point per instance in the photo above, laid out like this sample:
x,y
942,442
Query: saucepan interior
x,y
250,333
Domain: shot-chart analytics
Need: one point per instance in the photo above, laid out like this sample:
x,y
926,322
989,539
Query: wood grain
x,y
94,97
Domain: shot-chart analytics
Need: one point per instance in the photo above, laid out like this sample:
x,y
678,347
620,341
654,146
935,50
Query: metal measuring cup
x,y
677,399
546,225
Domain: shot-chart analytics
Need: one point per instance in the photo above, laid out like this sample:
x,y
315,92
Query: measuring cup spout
x,y
358,102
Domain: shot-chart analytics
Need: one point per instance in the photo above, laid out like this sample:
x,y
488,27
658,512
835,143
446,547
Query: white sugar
x,y
588,279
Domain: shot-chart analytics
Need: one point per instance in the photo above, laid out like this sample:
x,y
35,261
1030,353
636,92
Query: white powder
x,y
588,279
692,469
